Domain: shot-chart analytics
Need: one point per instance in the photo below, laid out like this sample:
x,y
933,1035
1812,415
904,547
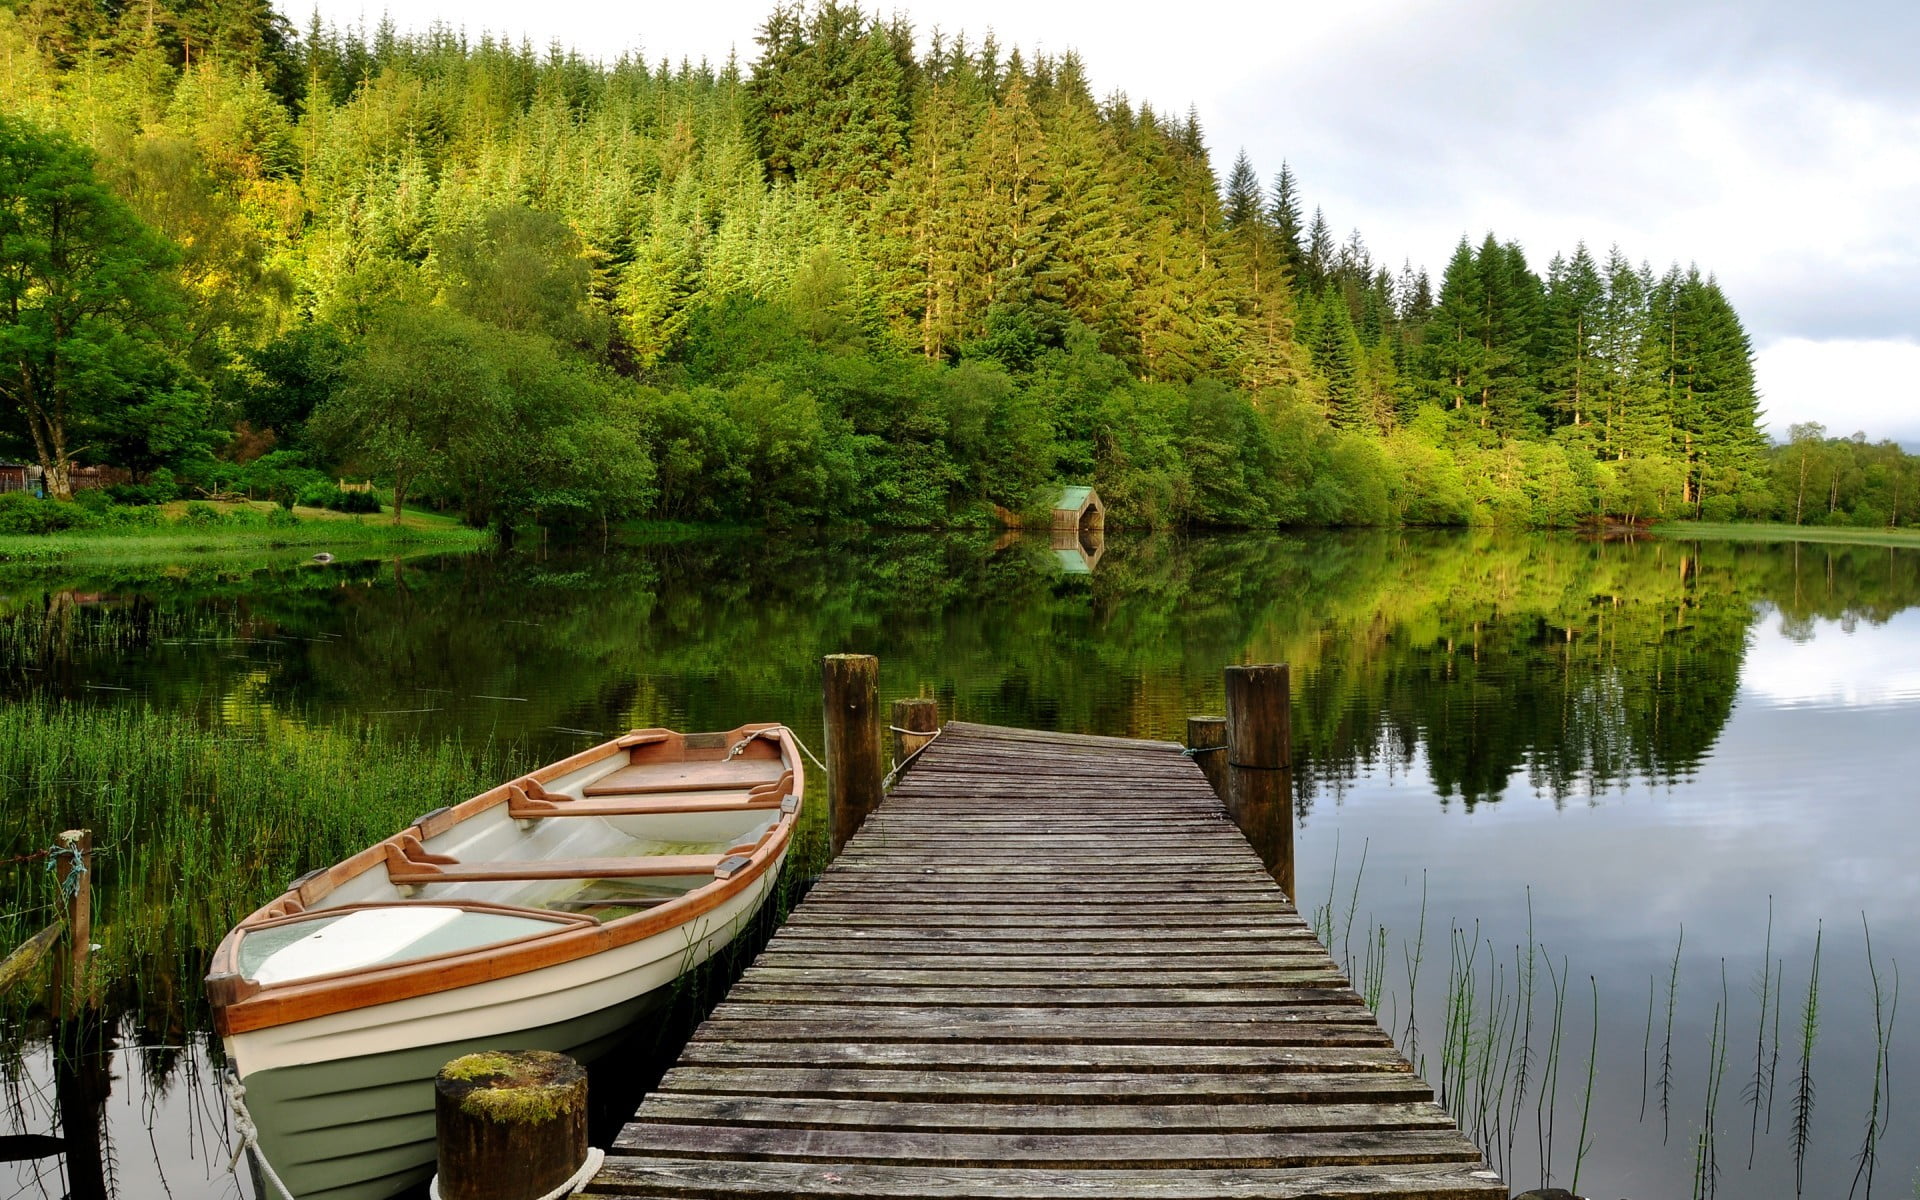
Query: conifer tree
x,y
1335,355
1285,215
1456,343
1321,254
1243,204
1575,298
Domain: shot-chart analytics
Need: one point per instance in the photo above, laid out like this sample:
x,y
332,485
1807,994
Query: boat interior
x,y
626,827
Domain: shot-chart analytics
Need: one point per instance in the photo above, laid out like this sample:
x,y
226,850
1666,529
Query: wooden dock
x,y
1047,966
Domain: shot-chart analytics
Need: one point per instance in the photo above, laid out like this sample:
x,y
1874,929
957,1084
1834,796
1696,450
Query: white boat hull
x,y
344,1101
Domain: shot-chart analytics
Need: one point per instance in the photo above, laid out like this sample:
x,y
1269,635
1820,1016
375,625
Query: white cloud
x,y
1846,385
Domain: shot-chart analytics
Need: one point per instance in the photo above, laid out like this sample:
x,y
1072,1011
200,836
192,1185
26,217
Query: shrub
x,y
159,488
1718,508
22,513
130,516
202,516
327,495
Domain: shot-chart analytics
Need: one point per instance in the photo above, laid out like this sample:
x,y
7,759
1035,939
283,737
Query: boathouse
x,y
1079,509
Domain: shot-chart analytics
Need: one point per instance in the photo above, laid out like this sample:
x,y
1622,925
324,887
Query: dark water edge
x,y
1614,741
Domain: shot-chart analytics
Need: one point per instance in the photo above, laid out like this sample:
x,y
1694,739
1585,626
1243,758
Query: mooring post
x,y
73,872
509,1126
1207,739
913,718
1260,765
851,690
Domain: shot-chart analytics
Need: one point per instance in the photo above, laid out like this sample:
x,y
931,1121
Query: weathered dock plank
x,y
1047,966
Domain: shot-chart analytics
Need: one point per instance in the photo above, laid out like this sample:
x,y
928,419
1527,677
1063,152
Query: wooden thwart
x,y
1047,966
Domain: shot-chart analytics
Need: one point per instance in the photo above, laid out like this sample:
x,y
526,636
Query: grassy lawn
x,y
315,530
1769,531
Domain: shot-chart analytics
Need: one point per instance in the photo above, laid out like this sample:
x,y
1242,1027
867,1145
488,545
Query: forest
x,y
867,277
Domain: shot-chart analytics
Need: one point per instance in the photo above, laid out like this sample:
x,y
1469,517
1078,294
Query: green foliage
x,y
87,310
23,513
855,282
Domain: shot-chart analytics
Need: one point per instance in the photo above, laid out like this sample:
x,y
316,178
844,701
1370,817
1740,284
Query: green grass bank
x,y
187,531
1773,531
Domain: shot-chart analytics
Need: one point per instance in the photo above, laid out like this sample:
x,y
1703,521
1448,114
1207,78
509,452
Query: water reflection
x,y
1703,725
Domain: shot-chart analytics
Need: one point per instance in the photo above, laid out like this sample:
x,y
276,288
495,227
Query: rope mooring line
x,y
70,886
773,731
903,764
1195,751
249,1133
588,1169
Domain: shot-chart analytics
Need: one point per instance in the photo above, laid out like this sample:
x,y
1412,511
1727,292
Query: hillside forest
x,y
866,277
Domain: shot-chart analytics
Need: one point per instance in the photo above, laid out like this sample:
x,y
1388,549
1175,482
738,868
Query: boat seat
x,y
528,800
654,778
410,863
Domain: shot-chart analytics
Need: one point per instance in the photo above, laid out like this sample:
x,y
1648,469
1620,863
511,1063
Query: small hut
x,y
1079,529
1078,509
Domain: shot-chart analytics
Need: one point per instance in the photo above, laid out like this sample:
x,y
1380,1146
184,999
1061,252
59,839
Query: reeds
x,y
195,826
1493,1063
1803,1088
1885,1006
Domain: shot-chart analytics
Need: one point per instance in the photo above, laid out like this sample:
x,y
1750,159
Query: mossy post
x,y
510,1125
851,707
921,716
73,871
1207,738
1260,765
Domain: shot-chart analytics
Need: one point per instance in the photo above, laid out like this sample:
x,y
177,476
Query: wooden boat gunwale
x,y
241,1005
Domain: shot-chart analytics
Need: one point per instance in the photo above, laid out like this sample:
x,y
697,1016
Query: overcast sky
x,y
1776,143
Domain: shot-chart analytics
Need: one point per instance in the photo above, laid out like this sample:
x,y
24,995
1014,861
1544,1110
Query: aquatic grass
x,y
1581,1146
194,826
1666,1050
1490,1068
1546,1104
1646,1044
1884,1008
1803,1094
1412,957
1761,1085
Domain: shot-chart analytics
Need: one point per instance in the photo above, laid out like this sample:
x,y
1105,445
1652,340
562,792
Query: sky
x,y
1774,143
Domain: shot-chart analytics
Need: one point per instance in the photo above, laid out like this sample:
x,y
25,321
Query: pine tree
x,y
1455,342
1335,356
1285,215
1243,202
1321,254
1570,373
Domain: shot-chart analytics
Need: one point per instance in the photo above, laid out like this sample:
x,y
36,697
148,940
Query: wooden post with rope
x,y
510,1125
915,721
73,874
1207,746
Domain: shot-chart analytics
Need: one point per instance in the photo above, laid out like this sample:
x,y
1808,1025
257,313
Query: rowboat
x,y
552,912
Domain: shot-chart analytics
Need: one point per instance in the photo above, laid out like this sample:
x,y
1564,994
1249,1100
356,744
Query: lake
x,y
1617,788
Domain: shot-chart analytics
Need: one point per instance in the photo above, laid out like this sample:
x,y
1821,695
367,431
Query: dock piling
x,y
509,1126
851,707
1260,764
1207,744
913,718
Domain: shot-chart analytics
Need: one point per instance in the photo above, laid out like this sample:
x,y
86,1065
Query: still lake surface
x,y
1501,742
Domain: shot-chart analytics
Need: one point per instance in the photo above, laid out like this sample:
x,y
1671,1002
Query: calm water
x,y
1603,744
